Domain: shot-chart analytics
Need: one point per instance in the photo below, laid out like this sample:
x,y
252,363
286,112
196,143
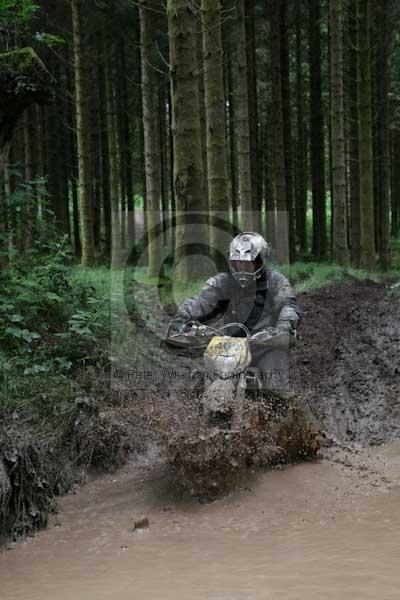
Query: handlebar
x,y
197,336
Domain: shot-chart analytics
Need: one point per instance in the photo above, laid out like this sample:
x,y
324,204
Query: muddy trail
x,y
346,365
324,528
344,371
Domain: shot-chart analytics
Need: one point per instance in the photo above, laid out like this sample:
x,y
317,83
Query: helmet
x,y
248,253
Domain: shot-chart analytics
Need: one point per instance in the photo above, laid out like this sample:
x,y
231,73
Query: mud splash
x,y
316,530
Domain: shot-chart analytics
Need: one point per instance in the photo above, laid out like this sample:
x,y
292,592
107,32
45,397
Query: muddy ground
x,y
346,365
345,374
344,370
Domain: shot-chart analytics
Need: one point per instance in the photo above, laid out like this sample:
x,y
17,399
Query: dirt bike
x,y
239,424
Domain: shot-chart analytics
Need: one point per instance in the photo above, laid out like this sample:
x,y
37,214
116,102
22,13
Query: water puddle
x,y
312,531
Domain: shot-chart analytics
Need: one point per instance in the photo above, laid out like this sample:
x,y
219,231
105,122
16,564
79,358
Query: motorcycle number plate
x,y
228,354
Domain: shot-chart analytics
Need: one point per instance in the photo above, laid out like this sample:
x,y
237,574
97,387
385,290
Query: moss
x,y
21,60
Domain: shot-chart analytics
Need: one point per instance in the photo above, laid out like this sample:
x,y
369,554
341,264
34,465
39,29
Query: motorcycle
x,y
240,424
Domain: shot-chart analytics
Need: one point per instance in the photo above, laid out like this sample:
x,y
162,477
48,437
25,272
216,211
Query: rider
x,y
254,295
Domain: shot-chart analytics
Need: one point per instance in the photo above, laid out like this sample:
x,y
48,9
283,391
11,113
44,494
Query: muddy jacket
x,y
272,303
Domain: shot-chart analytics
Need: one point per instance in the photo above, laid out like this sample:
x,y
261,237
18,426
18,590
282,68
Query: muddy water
x,y
326,530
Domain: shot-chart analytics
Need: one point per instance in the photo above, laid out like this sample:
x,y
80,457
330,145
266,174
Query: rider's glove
x,y
264,335
177,326
271,332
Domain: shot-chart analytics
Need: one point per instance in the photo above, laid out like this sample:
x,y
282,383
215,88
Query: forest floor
x,y
344,372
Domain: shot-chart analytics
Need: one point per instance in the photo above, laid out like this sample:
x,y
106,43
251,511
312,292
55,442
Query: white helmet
x,y
248,253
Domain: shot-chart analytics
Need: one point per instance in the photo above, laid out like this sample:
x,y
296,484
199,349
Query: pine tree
x,y
383,45
188,171
151,129
317,148
354,168
242,117
111,125
278,158
340,246
215,120
368,257
82,94
301,147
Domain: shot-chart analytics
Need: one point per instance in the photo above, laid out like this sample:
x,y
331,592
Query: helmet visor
x,y
244,266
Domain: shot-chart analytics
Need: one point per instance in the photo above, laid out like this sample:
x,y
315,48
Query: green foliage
x,y
15,19
48,39
49,323
17,12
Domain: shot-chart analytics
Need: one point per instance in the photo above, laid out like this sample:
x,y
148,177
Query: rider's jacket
x,y
269,303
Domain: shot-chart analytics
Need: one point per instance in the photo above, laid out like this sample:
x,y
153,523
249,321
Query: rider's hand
x,y
262,336
177,326
271,332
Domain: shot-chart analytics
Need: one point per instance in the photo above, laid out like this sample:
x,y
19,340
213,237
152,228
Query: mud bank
x,y
346,366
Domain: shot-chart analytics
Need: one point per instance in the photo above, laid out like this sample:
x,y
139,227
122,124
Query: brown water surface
x,y
313,531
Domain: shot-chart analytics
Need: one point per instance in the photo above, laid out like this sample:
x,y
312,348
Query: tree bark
x,y
354,166
188,171
278,158
256,180
395,183
287,125
82,94
301,147
151,129
215,121
368,257
203,123
242,118
104,149
231,117
317,147
111,120
340,246
383,140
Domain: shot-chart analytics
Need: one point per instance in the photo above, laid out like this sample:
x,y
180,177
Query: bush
x,y
49,322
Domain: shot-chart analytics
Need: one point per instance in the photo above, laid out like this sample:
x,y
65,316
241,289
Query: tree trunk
x,y
28,211
215,120
151,124
368,258
82,94
383,140
338,142
232,138
354,166
105,154
317,133
111,120
203,124
395,183
242,118
253,111
163,157
301,148
278,158
188,172
287,126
